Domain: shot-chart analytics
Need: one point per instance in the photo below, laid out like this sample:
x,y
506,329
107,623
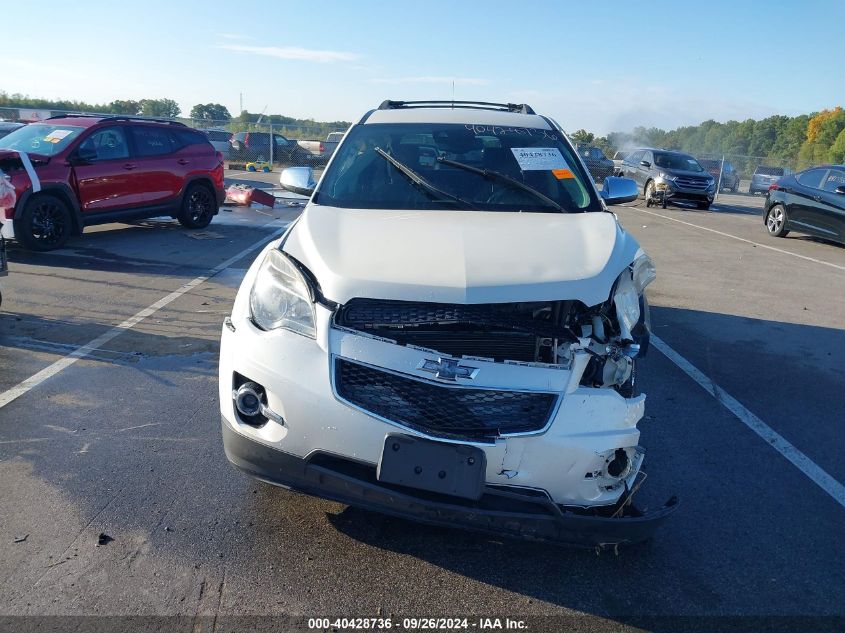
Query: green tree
x,y
582,137
125,107
836,154
210,112
165,108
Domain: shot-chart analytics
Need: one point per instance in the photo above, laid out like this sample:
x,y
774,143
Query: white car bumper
x,y
567,459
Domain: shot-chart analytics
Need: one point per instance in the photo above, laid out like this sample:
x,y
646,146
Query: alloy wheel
x,y
200,205
775,220
49,224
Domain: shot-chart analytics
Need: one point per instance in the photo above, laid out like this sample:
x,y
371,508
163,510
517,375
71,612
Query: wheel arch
x,y
61,191
204,181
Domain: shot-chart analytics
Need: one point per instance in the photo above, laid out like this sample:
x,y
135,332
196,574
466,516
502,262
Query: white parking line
x,y
741,239
81,352
774,439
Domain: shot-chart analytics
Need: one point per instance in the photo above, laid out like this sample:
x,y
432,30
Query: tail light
x,y
322,148
774,187
219,157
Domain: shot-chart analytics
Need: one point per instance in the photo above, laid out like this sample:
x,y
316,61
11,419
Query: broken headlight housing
x,y
281,297
629,287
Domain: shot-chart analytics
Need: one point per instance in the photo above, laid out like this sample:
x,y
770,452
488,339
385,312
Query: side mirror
x,y
298,180
83,156
619,190
840,190
645,163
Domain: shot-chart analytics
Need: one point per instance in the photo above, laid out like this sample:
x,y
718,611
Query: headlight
x,y
630,285
627,302
643,272
281,297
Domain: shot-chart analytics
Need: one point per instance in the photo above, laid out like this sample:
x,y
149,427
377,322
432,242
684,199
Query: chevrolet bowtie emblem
x,y
448,369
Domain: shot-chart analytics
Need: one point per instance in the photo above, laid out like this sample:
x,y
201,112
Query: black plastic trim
x,y
546,523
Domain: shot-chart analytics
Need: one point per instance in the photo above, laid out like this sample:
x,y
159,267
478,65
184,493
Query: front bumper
x,y
565,460
676,192
499,512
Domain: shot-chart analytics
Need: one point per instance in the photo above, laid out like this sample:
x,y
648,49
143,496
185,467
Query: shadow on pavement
x,y
157,247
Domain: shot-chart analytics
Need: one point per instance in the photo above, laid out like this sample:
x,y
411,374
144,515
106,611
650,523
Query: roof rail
x,y
117,117
522,108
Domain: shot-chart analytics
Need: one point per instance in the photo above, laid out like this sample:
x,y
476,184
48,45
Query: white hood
x,y
461,256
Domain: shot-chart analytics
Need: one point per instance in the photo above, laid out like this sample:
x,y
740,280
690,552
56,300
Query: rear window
x,y
763,170
153,141
188,137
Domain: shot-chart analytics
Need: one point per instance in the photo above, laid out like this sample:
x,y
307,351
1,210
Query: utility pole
x,y
242,104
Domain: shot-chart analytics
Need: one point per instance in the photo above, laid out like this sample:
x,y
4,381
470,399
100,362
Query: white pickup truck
x,y
322,150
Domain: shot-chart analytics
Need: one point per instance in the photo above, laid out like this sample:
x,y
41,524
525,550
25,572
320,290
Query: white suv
x,y
449,332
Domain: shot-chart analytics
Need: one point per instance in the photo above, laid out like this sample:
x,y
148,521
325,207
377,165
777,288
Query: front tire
x,y
45,224
776,221
198,207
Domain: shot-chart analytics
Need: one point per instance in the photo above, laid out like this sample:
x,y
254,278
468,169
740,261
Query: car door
x,y
631,164
104,170
160,171
803,195
832,207
644,170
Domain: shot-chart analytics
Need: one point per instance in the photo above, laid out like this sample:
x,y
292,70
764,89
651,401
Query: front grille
x,y
501,331
448,412
496,345
374,313
688,182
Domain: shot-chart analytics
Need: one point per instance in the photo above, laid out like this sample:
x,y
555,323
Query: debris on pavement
x,y
21,539
104,539
244,195
204,235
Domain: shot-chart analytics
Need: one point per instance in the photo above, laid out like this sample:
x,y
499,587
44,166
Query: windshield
x,y
40,138
677,161
452,160
769,171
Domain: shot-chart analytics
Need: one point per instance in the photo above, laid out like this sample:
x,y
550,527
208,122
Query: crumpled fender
x,y
10,155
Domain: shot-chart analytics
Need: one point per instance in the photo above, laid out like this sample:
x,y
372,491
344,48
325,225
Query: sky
x,y
599,65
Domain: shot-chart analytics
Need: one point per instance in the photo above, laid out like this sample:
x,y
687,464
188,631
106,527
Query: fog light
x,y
248,399
620,465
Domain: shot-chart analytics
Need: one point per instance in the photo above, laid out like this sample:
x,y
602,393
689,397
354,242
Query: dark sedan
x,y
811,201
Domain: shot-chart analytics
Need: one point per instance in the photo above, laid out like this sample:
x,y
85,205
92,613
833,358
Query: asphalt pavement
x,y
125,442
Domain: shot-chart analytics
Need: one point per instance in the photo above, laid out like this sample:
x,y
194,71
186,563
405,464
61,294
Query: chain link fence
x,y
259,146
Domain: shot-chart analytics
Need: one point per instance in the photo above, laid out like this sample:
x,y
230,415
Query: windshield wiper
x,y
489,174
421,182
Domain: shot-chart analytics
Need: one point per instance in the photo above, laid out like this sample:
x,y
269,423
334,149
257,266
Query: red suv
x,y
74,171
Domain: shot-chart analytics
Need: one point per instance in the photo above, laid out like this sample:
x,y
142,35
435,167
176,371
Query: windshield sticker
x,y
563,174
539,158
57,135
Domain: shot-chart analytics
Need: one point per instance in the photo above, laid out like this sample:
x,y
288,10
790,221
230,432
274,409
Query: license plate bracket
x,y
452,469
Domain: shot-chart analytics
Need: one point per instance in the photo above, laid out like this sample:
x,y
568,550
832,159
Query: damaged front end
x,y
594,350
